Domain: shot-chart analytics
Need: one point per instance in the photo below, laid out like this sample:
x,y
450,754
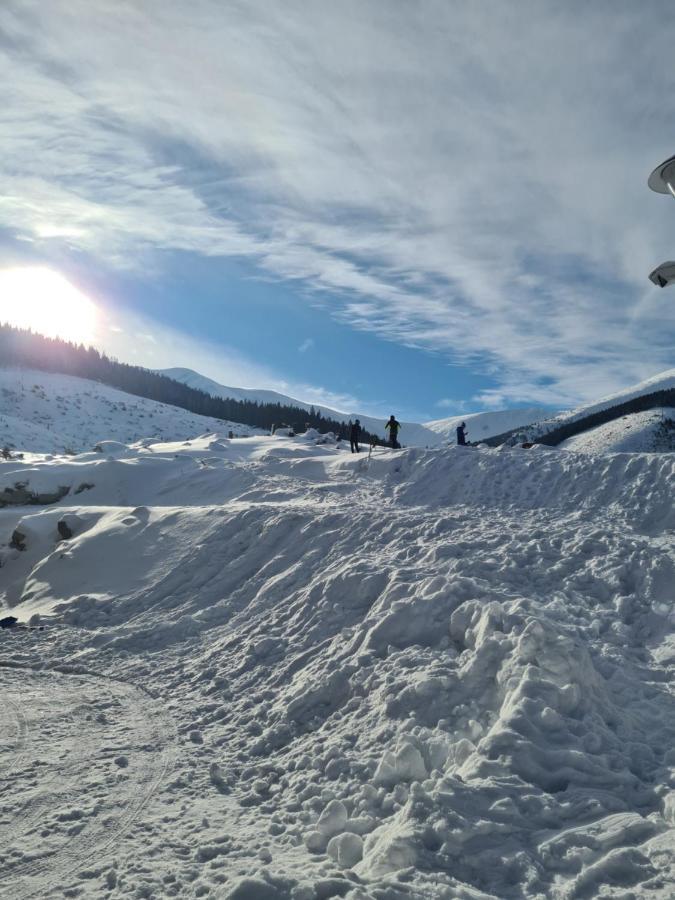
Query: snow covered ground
x,y
608,439
412,433
50,413
651,431
661,382
483,425
273,669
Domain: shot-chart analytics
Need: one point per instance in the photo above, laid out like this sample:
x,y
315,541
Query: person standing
x,y
461,435
393,427
354,435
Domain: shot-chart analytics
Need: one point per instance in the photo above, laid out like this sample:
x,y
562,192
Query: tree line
x,y
23,348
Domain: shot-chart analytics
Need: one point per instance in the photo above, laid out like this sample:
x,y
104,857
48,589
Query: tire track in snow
x,y
99,751
12,719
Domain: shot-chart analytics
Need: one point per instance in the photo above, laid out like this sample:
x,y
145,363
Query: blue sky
x,y
422,208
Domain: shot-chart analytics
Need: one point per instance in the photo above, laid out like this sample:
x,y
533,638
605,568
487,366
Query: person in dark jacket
x,y
393,427
461,435
354,435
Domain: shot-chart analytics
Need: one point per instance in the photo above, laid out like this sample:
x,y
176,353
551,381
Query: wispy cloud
x,y
307,344
448,176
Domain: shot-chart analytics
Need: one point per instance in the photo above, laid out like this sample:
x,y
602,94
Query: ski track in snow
x,y
91,753
431,674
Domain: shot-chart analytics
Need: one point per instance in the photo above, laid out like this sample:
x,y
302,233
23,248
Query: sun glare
x,y
43,300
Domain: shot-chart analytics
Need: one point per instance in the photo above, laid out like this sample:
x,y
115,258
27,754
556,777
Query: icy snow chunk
x,y
258,889
346,849
316,842
333,819
389,848
405,764
112,449
410,764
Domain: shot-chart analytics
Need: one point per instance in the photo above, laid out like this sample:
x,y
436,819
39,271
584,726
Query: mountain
x,y
412,433
484,425
597,427
651,431
664,381
47,413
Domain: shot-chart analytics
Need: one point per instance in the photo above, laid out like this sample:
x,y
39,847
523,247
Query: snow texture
x,y
48,413
412,434
483,425
269,669
652,431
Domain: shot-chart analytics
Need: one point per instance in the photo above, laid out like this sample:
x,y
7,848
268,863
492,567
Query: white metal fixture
x,y
664,274
662,179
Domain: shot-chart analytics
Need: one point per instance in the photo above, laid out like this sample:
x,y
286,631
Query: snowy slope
x,y
484,425
274,670
661,382
651,431
412,434
48,413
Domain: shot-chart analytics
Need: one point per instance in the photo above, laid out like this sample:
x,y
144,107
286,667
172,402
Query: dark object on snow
x,y
18,541
19,495
8,622
354,435
461,435
393,427
6,453
64,529
527,445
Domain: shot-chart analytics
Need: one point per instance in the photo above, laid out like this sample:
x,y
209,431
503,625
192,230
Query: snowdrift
x,y
428,674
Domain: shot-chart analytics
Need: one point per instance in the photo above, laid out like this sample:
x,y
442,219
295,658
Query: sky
x,y
415,206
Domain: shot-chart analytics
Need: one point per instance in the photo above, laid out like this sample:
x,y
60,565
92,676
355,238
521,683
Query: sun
x,y
43,300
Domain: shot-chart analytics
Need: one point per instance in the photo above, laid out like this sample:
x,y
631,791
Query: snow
x,y
662,382
608,438
483,425
49,413
643,432
412,434
270,668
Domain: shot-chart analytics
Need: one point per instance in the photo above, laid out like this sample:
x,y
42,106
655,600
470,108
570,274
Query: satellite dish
x,y
664,274
662,179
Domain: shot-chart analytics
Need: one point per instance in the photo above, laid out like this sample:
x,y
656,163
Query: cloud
x,y
307,344
449,403
449,179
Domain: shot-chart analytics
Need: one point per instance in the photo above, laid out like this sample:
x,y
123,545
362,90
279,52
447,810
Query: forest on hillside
x,y
555,432
23,348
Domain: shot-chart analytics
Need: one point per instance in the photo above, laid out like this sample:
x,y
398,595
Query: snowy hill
x,y
274,670
661,382
652,431
634,414
412,433
49,413
484,425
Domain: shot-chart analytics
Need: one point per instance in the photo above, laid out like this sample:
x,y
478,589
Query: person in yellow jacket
x,y
393,426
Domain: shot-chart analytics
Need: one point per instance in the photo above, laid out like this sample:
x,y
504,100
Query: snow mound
x,y
427,674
